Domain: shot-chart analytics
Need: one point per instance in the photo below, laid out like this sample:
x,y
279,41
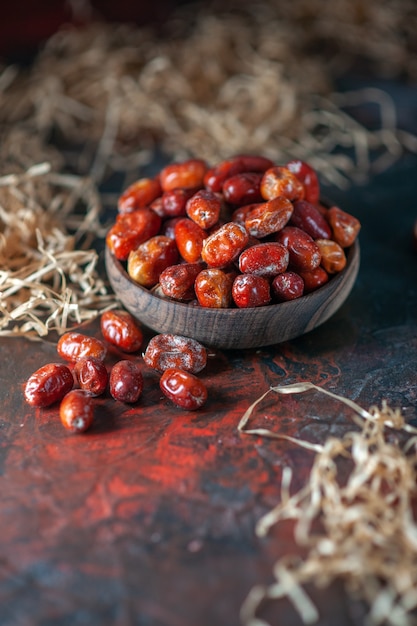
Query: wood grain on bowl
x,y
235,328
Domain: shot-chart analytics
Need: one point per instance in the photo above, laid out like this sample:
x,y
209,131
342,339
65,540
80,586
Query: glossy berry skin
x,y
174,202
345,227
244,188
279,181
264,259
189,238
130,230
304,252
187,174
308,217
224,245
217,175
204,208
269,217
48,385
314,279
333,257
184,389
92,375
250,291
140,194
213,288
177,281
254,162
76,411
73,346
308,177
146,263
157,207
120,329
240,214
167,350
287,286
126,381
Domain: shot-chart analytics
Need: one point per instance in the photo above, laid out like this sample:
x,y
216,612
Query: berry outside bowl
x,y
235,328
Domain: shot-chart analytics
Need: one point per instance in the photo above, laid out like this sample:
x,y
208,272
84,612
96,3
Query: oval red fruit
x,y
76,411
126,381
183,389
250,291
48,384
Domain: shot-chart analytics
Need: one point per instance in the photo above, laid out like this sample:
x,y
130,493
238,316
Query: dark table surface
x,y
148,519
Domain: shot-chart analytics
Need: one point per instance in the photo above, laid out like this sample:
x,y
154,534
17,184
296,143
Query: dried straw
x,y
47,280
358,528
214,83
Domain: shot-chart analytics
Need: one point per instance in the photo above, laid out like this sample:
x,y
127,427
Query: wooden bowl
x,y
235,328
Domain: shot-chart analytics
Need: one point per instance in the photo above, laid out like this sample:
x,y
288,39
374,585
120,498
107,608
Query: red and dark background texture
x,y
148,519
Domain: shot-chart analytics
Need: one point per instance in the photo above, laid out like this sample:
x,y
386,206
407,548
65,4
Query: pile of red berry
x,y
177,359
243,233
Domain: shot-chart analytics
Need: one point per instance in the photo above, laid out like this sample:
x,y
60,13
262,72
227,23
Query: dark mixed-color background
x,y
148,519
